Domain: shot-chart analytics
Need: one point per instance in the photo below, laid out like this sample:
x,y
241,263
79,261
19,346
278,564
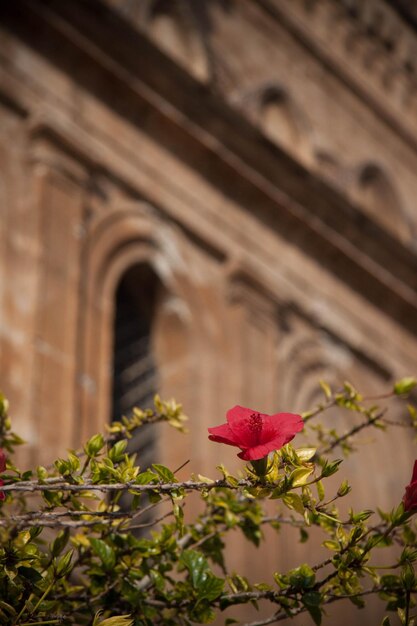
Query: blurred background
x,y
215,200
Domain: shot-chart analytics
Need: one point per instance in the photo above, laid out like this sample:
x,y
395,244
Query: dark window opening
x,y
135,376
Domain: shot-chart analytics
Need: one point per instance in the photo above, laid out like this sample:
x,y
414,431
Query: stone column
x,y
60,200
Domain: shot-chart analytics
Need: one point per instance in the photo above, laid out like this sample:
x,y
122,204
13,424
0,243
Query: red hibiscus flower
x,y
410,496
2,468
256,434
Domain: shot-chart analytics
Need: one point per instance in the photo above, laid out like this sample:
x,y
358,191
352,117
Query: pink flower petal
x,y
410,496
2,461
257,452
414,476
222,434
284,425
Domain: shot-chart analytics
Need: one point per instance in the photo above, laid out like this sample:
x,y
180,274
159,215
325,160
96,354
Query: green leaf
x,y
300,476
116,453
120,620
60,542
316,614
104,552
231,480
203,580
74,461
362,516
344,489
164,473
293,501
197,566
29,573
202,613
330,468
146,477
94,445
35,531
408,576
326,389
302,577
42,473
305,454
212,588
390,581
404,386
64,564
311,601
312,598
179,517
320,490
398,515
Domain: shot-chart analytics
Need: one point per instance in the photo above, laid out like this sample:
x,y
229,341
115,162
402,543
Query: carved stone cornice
x,y
367,44
364,41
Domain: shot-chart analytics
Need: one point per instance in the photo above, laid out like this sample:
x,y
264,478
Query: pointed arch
x,y
378,196
171,24
282,120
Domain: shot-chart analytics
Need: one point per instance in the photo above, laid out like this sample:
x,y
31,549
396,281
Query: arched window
x,y
135,373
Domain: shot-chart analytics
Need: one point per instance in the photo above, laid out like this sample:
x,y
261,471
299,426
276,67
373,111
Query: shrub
x,y
71,554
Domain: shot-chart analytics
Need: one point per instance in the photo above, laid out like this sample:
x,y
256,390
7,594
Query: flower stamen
x,y
255,422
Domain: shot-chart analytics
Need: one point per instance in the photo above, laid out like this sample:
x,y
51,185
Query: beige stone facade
x,y
254,162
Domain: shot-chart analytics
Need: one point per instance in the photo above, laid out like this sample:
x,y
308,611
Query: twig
x,y
60,485
353,431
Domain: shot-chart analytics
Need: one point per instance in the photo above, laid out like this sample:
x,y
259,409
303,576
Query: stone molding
x,y
380,46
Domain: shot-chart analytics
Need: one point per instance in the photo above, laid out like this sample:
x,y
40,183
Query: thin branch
x,y
353,431
320,409
55,484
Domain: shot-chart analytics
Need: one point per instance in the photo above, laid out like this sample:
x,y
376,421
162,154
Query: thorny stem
x,y
57,484
49,621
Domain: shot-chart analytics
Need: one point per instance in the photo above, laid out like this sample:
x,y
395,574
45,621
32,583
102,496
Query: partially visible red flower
x,y
256,434
2,461
2,468
410,496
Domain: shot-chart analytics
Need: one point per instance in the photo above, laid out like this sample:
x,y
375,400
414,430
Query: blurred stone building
x,y
213,198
